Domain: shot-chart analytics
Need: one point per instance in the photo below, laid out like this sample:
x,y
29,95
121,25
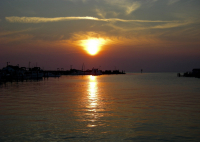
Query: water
x,y
131,107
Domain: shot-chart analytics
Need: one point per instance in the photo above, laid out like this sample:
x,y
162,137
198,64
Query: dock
x,y
194,73
12,73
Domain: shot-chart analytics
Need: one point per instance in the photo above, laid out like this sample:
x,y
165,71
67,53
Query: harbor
x,y
11,73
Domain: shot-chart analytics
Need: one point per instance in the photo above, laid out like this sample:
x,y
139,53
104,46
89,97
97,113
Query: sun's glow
x,y
93,45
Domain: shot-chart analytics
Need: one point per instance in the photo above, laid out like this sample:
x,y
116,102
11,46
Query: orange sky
x,y
155,35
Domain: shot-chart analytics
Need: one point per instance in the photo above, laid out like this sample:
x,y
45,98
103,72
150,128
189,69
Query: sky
x,y
153,35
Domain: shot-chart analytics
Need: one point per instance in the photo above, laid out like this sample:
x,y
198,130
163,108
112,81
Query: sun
x,y
92,45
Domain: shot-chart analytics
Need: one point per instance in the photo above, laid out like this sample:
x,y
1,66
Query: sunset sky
x,y
130,35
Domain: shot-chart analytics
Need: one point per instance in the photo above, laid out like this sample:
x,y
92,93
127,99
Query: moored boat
x,y
96,72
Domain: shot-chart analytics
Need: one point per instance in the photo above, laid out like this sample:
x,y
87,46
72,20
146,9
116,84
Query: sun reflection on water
x,y
92,91
92,101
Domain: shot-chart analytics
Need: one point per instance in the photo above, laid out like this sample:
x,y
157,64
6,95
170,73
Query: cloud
x,y
141,25
139,21
15,19
101,13
127,5
131,8
16,32
84,1
171,25
172,2
16,38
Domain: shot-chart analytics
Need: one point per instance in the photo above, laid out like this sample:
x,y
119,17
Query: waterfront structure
x,y
194,73
10,73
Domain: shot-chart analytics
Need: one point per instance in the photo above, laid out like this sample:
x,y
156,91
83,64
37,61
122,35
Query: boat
x,y
96,72
49,74
34,75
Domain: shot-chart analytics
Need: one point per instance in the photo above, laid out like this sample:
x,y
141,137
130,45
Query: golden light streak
x,y
94,104
93,90
92,100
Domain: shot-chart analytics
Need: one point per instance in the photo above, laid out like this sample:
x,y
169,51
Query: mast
x,y
83,67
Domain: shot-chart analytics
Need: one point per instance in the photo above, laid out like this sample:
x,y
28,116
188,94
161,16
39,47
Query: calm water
x,y
131,107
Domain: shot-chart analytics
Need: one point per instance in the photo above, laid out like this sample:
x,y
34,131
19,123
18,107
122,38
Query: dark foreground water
x,y
131,107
